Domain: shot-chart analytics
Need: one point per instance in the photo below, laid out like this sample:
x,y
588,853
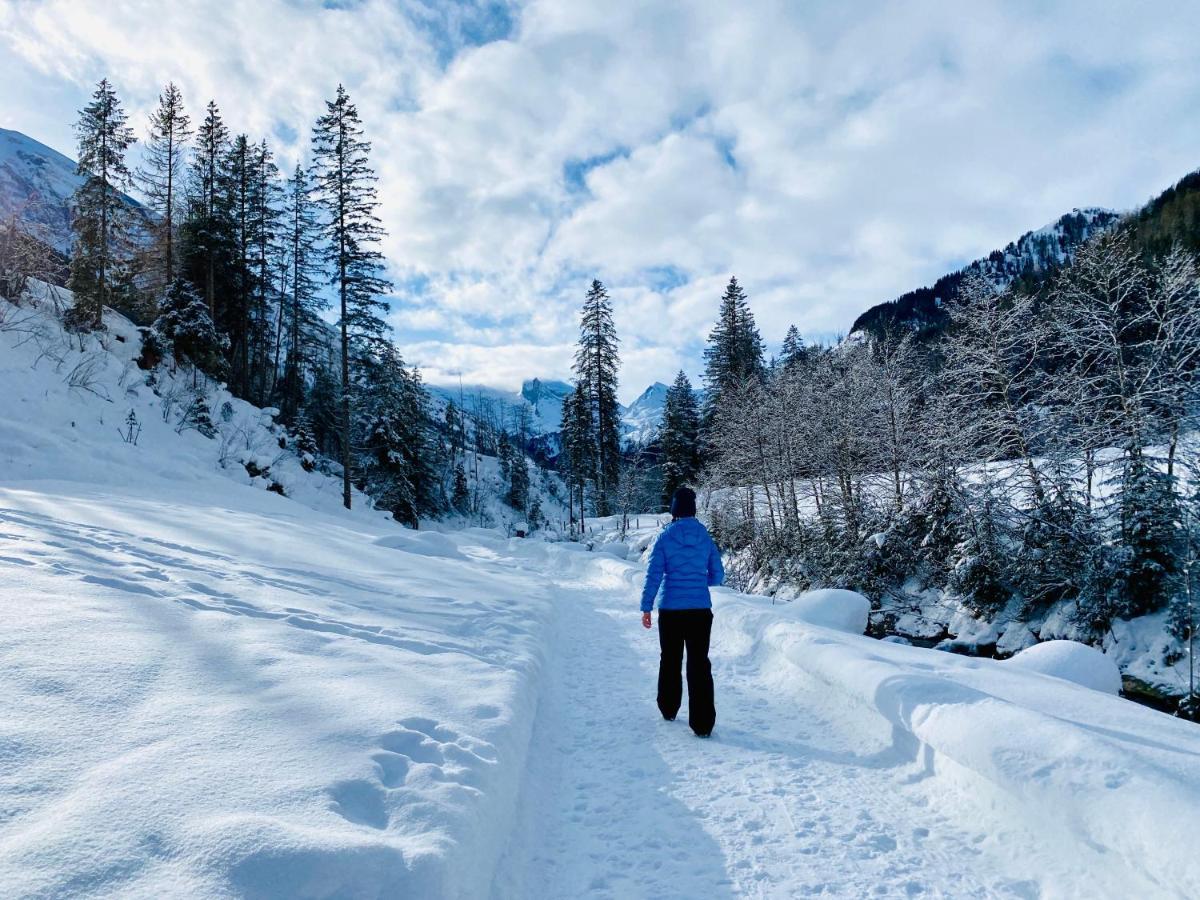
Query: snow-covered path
x,y
784,800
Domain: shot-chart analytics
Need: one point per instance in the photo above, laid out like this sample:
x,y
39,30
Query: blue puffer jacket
x,y
687,558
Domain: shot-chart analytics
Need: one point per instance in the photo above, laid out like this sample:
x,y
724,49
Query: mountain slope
x,y
1029,258
544,399
36,185
643,418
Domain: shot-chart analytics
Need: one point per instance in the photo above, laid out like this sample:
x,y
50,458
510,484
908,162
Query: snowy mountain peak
x,y
640,420
643,417
1032,255
36,184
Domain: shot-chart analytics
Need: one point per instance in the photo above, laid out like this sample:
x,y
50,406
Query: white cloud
x,y
831,155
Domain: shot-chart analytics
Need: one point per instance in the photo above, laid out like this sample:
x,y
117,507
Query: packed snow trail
x,y
798,792
781,801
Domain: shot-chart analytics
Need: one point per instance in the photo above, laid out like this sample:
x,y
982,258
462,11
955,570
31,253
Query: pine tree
x,y
101,219
394,432
793,352
1148,561
455,429
240,164
184,327
518,481
345,186
161,177
734,355
504,455
209,227
265,313
596,365
680,438
304,301
306,443
460,497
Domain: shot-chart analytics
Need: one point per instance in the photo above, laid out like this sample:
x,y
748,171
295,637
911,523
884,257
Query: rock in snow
x,y
1072,661
832,608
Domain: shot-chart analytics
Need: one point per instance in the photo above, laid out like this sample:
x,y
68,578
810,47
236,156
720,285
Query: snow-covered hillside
x,y
1029,256
36,184
67,405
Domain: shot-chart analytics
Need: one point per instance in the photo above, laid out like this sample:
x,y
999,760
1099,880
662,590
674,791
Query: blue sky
x,y
832,155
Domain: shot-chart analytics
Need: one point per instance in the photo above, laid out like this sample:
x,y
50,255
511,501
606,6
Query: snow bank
x,y
1106,782
1071,661
211,690
833,608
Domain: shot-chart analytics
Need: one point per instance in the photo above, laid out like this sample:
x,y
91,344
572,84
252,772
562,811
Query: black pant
x,y
678,628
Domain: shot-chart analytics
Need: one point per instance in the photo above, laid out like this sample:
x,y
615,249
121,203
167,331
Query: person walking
x,y
686,563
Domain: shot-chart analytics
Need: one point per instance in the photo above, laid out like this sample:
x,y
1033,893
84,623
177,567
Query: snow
x,y
640,421
211,690
833,608
1072,661
643,418
37,183
546,399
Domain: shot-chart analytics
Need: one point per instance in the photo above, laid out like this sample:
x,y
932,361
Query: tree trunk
x,y
346,452
170,216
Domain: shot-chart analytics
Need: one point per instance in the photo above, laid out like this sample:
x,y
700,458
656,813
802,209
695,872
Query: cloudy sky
x,y
830,154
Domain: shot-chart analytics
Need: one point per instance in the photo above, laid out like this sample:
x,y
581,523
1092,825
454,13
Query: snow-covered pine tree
x,y
303,301
460,496
306,443
101,212
345,188
1147,569
793,351
394,433
734,354
977,575
596,366
518,481
161,177
504,455
184,327
680,438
